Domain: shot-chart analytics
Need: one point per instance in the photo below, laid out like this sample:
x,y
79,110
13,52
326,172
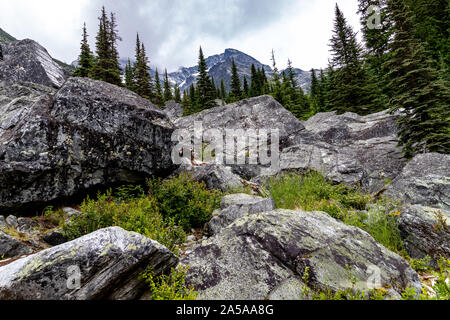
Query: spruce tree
x,y
246,90
177,93
106,63
130,77
276,89
420,92
167,88
355,90
158,98
205,95
236,92
142,78
86,58
223,90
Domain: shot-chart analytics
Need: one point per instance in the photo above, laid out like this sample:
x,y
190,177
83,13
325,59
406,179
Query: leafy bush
x,y
189,203
172,287
140,215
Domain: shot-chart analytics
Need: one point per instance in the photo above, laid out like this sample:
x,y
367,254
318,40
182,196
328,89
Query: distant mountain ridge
x,y
219,66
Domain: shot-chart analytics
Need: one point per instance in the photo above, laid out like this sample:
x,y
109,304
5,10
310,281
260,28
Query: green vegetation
x,y
313,192
189,203
169,287
140,215
169,207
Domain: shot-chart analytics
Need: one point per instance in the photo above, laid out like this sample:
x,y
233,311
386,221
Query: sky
x,y
173,30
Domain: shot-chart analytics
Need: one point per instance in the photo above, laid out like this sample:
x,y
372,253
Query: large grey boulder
x,y
235,206
103,265
425,232
348,148
26,60
11,247
265,255
89,134
424,188
425,181
173,110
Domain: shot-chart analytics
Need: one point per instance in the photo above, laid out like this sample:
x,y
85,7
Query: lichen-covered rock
x,y
26,60
102,265
173,110
349,149
235,206
55,237
89,134
11,248
253,258
425,232
215,176
3,224
425,181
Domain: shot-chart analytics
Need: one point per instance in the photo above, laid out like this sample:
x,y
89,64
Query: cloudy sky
x,y
173,30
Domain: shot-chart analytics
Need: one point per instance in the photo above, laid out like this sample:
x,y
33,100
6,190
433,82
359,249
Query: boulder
x,y
27,226
267,254
425,181
215,176
55,237
90,134
12,248
235,206
348,148
425,232
173,110
26,60
3,224
103,265
12,221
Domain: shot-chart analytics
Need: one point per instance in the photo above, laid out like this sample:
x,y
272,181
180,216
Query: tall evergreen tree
x,y
106,64
419,91
167,88
158,98
86,58
223,90
355,90
255,83
236,92
142,78
130,77
177,93
205,95
276,81
246,89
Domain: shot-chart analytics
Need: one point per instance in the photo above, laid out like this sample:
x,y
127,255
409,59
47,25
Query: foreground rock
x,y
424,187
108,262
265,255
89,134
11,248
27,60
425,181
235,206
425,232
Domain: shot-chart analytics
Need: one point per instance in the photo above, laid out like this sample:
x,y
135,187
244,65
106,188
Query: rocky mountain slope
x,y
60,137
5,37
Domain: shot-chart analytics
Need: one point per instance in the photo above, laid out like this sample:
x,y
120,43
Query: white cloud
x,y
174,29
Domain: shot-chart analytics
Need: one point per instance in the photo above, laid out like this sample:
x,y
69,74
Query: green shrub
x,y
171,287
140,215
313,192
189,203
